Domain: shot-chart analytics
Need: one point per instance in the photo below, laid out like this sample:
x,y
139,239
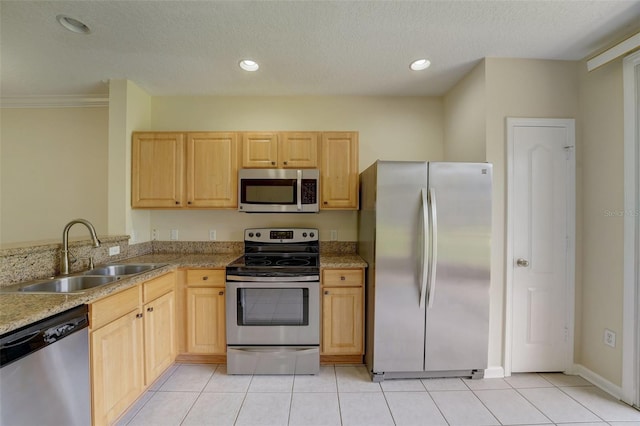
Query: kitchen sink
x,y
123,269
72,284
83,281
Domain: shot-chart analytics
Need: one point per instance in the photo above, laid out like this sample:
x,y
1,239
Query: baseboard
x,y
494,373
604,384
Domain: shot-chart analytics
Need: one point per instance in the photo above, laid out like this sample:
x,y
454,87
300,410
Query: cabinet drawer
x,y
342,277
206,277
158,286
113,307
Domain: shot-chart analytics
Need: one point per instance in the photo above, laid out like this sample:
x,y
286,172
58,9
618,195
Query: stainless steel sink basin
x,y
123,269
80,282
72,284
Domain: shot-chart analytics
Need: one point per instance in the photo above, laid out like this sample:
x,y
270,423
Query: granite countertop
x,y
20,309
341,261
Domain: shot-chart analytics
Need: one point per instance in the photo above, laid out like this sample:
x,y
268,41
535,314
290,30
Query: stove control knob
x,y
258,234
312,235
304,234
250,234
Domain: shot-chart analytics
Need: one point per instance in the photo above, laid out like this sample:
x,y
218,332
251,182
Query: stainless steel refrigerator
x,y
425,229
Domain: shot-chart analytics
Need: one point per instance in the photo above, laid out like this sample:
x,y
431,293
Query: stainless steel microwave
x,y
278,190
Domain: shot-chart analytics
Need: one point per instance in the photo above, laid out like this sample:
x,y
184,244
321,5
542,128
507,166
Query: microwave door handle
x,y
299,190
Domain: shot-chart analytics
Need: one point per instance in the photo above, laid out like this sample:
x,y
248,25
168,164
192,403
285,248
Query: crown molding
x,y
68,101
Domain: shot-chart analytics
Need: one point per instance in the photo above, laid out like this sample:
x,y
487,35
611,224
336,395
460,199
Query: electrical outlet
x,y
212,234
114,250
609,338
334,235
174,235
154,234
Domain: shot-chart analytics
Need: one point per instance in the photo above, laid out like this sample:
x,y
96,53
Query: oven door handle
x,y
299,194
273,279
275,349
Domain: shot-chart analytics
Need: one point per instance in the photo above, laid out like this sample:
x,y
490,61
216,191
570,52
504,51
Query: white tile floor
x,y
191,394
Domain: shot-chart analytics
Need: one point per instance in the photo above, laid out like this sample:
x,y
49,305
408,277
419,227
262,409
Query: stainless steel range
x,y
273,303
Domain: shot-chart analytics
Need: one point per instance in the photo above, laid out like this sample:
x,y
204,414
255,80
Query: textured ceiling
x,y
303,47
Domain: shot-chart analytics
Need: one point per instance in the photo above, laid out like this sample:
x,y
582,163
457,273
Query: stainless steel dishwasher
x,y
44,372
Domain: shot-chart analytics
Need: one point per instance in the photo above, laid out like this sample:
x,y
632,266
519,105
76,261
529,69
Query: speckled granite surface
x,y
19,264
17,310
349,260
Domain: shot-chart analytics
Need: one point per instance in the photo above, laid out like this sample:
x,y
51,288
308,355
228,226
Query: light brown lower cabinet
x,y
342,312
205,321
205,312
132,341
116,367
159,336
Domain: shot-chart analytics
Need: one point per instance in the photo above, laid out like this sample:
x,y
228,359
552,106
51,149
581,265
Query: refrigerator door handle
x,y
434,247
425,248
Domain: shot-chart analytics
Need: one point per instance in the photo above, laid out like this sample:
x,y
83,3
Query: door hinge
x,y
566,334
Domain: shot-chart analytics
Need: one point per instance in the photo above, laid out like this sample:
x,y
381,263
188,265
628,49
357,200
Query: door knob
x,y
522,262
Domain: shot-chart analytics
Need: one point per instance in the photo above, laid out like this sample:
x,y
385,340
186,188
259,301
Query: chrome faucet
x,y
64,255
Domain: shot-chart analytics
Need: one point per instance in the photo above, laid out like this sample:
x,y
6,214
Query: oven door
x,y
273,313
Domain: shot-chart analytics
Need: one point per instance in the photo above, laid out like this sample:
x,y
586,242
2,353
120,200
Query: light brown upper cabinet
x,y
298,150
280,150
159,166
339,171
212,170
157,170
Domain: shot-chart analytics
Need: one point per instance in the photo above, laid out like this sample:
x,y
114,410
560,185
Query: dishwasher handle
x,y
19,340
19,343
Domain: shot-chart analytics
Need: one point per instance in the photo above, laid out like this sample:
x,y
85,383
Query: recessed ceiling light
x,y
73,24
249,65
420,64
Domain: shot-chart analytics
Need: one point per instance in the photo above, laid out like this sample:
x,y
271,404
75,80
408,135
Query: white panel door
x,y
542,190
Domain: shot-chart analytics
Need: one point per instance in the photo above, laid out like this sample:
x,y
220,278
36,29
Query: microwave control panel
x,y
309,191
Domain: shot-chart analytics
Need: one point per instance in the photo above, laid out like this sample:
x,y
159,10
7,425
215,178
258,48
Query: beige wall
x,y
465,107
54,169
518,88
130,109
601,108
392,128
475,118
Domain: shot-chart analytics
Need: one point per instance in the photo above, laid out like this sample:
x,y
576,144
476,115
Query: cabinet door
x,y
212,170
117,367
339,171
298,150
159,336
342,320
206,321
157,170
259,150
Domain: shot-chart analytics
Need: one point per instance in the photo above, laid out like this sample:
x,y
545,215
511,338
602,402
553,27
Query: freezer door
x,y
457,323
398,318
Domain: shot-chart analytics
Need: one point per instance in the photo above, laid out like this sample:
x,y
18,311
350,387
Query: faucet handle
x,y
91,265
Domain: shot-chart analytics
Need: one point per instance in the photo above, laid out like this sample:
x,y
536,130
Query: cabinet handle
x,y
273,163
285,163
205,278
150,309
325,203
138,315
342,278
221,293
177,202
188,202
326,292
